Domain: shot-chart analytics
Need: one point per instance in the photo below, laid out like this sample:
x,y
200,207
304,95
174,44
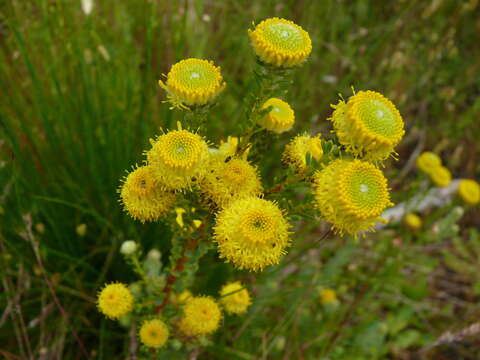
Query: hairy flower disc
x,y
368,125
299,148
351,195
193,82
235,298
142,197
230,180
469,191
440,176
280,118
428,161
115,300
154,333
178,159
280,42
251,233
201,316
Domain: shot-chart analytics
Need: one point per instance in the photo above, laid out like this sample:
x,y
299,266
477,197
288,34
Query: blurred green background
x,y
80,99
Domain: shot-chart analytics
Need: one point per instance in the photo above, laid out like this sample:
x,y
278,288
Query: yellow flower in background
x,y
154,333
178,159
297,150
441,176
413,221
182,297
235,298
368,125
115,300
428,161
351,195
81,230
230,180
201,316
328,296
280,42
469,191
251,233
193,82
141,196
280,118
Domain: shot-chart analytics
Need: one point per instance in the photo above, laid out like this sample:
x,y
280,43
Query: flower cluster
x,y
431,164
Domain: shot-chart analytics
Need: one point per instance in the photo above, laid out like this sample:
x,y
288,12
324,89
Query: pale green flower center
x,y
378,117
285,37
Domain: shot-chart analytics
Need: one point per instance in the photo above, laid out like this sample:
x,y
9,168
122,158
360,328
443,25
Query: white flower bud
x,y
128,247
154,254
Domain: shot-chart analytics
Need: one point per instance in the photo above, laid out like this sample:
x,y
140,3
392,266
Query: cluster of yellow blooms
x,y
251,231
431,164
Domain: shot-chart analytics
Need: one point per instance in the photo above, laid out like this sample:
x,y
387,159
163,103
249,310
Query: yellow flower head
x,y
328,296
193,82
251,233
154,333
230,180
469,191
441,176
280,118
179,159
182,297
142,197
428,161
201,316
115,300
412,221
296,151
351,195
234,298
368,125
280,42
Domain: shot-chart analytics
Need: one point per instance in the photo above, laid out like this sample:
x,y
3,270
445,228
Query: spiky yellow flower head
x,y
178,159
413,221
299,148
193,82
280,118
230,180
428,161
440,176
469,191
328,296
251,233
368,125
235,298
142,197
154,333
115,300
280,42
351,195
201,316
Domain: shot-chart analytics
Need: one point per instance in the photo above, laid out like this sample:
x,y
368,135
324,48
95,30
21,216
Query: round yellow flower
x,y
469,191
154,333
368,125
201,316
193,82
428,161
142,197
234,298
296,151
230,180
179,159
251,233
413,221
328,296
280,42
115,300
441,176
280,118
351,195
